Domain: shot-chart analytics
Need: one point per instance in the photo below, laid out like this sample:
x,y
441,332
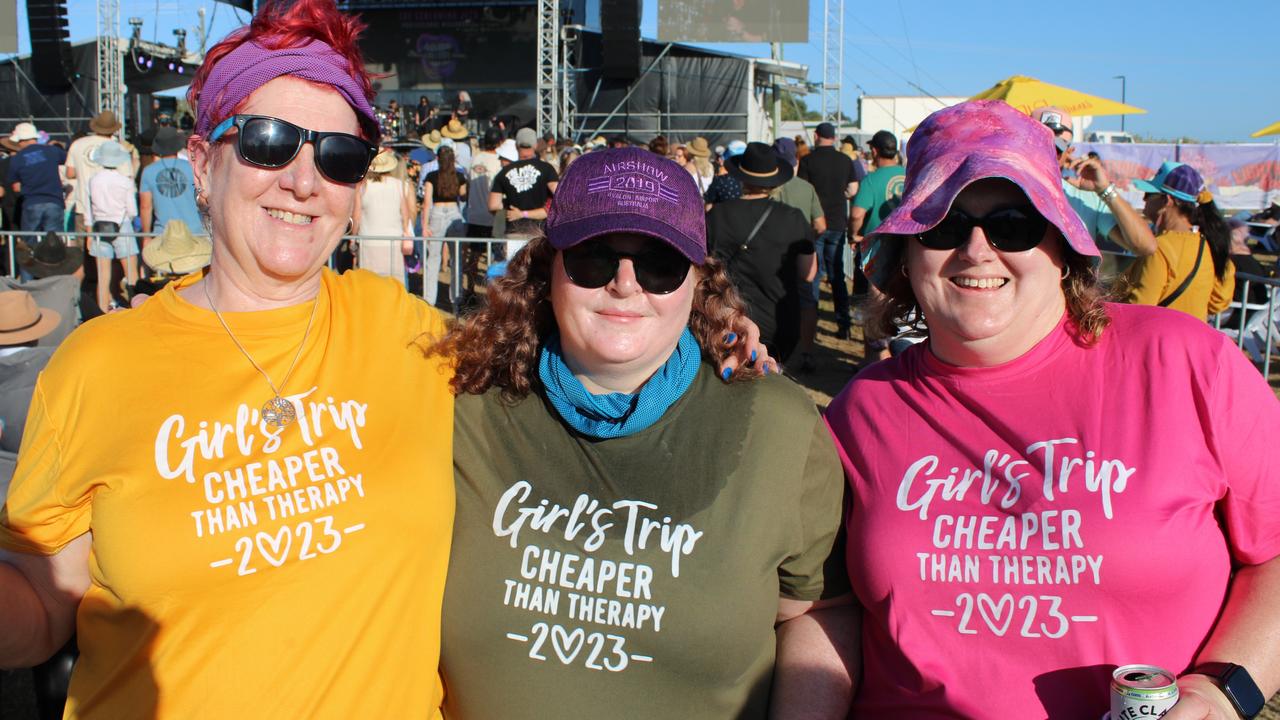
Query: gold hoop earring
x,y
1066,271
903,269
351,223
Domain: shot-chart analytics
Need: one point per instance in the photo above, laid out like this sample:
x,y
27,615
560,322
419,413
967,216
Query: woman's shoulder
x,y
776,396
1162,332
383,300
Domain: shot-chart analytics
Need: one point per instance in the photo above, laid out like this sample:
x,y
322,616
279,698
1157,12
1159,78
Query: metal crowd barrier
x,y
455,247
1251,315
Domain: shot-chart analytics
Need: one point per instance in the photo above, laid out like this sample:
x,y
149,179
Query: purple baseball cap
x,y
959,145
628,190
250,66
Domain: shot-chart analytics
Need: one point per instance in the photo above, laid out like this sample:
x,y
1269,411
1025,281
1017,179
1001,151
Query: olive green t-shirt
x,y
635,577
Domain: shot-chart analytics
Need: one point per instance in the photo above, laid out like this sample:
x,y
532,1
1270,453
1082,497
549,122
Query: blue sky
x,y
1199,72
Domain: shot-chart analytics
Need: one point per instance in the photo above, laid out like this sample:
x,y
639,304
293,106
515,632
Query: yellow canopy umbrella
x,y
1027,94
1272,129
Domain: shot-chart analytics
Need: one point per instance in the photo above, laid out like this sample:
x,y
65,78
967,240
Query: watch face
x,y
1243,691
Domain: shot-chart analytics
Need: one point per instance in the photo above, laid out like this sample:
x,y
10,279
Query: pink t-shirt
x,y
1018,531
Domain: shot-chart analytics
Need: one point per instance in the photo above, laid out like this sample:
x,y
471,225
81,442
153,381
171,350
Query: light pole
x,y
1121,78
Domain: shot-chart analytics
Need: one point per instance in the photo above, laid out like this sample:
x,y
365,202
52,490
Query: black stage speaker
x,y
620,28
50,45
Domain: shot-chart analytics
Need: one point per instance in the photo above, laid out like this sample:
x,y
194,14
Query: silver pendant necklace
x,y
276,411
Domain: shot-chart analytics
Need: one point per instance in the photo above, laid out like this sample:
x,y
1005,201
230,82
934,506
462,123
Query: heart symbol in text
x,y
567,644
279,544
992,612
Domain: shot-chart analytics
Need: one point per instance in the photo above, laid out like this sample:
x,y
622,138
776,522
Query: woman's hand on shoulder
x,y
746,351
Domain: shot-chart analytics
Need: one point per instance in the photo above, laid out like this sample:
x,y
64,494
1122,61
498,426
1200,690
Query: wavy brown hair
x,y
498,345
1084,295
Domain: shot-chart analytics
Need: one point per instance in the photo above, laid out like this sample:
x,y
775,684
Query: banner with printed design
x,y
1241,176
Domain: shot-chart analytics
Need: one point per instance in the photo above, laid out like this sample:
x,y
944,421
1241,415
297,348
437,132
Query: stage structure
x,y
682,92
832,59
544,65
754,21
149,68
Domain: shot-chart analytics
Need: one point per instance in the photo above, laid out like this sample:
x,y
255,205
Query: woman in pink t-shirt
x,y
1051,486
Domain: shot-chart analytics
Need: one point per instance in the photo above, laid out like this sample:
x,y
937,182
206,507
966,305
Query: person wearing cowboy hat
x,y
22,324
766,246
461,137
167,189
386,209
113,204
175,253
50,257
33,173
81,166
699,164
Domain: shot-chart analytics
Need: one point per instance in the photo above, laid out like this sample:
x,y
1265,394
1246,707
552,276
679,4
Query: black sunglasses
x,y
273,143
1012,229
660,269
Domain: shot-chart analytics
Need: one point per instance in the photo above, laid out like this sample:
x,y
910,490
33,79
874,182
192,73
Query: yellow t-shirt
x,y
239,571
1155,277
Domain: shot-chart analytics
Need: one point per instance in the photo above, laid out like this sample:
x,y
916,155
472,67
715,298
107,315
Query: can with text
x,y
1142,691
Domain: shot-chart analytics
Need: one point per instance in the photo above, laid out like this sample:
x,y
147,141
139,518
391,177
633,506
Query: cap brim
x,y
48,321
579,231
1145,186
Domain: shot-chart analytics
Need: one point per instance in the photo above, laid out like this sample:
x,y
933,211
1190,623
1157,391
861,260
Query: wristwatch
x,y
1237,685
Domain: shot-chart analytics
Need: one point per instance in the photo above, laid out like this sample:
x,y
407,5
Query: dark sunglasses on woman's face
x,y
660,269
1011,230
273,143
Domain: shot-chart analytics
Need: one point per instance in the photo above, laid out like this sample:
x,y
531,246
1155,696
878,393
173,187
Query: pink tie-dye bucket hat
x,y
959,145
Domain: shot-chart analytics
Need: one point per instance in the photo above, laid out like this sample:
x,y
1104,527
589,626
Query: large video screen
x,y
456,46
733,20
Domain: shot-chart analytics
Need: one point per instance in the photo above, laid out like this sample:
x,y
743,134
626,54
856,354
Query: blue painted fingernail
x,y
724,374
730,338
753,356
766,369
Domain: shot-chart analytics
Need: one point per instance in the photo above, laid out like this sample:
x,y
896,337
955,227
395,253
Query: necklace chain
x,y
277,399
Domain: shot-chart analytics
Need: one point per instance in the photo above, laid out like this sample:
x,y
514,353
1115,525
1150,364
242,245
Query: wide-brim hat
x,y
51,256
22,321
957,146
628,190
432,139
384,162
104,123
177,251
110,154
455,130
24,131
760,166
168,141
698,147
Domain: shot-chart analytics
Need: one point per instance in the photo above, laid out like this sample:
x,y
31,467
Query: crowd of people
x,y
593,494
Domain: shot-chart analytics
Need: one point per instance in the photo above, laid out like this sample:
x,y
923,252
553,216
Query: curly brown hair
x,y
1084,295
498,345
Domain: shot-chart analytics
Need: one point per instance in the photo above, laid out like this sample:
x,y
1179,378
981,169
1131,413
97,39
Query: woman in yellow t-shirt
x,y
240,495
1191,269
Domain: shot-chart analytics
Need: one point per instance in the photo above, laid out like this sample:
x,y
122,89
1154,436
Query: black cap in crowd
x,y
885,143
825,130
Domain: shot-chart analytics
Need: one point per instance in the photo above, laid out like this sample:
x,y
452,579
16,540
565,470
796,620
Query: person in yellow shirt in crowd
x,y
1191,269
255,522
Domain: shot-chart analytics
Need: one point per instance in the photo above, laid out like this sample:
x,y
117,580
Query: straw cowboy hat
x,y
432,139
384,162
50,257
104,123
22,321
698,148
455,130
177,251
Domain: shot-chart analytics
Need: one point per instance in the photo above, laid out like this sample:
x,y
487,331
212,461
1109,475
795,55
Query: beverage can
x,y
1142,691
